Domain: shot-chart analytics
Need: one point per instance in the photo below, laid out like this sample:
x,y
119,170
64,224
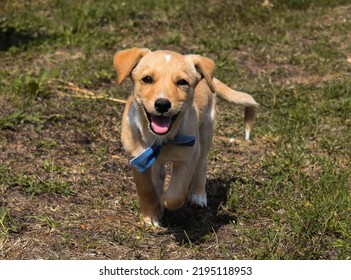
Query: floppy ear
x,y
124,61
206,68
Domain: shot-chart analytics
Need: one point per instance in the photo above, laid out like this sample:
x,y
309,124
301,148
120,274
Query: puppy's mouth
x,y
160,124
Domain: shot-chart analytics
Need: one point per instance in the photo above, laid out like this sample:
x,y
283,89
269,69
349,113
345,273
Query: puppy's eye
x,y
147,80
183,84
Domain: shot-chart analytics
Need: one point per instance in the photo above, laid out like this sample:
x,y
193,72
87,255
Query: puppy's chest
x,y
175,153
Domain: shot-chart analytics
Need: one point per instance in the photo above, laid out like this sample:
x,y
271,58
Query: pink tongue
x,y
160,124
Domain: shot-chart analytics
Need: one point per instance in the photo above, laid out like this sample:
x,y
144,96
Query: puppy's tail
x,y
240,98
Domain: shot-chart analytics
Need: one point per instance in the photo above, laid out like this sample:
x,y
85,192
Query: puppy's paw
x,y
197,200
152,221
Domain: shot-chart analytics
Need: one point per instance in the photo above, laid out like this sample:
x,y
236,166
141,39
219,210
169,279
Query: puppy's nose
x,y
162,105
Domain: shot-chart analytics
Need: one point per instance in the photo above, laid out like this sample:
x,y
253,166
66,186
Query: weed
x,y
7,226
27,86
19,117
48,221
4,229
36,185
5,176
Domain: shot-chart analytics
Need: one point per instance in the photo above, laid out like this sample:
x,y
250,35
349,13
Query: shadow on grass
x,y
11,37
194,226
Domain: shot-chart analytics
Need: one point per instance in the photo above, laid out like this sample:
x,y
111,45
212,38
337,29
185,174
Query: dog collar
x,y
145,159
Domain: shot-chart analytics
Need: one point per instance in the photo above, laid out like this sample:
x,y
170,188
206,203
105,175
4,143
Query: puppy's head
x,y
164,83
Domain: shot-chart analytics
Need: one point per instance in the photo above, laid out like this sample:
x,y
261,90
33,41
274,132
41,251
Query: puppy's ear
x,y
124,61
205,67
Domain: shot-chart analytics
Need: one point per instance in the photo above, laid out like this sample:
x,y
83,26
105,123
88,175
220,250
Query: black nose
x,y
162,105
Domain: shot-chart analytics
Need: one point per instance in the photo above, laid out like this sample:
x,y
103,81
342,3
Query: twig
x,y
80,93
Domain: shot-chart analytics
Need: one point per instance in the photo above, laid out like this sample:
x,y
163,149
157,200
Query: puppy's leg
x,y
177,191
149,199
158,175
197,192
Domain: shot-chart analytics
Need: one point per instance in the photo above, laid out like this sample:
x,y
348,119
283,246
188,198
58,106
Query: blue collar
x,y
144,160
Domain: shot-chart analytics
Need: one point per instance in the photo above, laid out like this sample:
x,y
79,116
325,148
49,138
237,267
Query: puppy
x,y
170,117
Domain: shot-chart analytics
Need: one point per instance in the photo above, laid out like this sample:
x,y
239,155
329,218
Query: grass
x,y
65,185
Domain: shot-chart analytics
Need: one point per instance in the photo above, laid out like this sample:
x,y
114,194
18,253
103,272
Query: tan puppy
x,y
169,117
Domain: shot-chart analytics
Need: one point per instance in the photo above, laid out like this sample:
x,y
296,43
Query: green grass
x,y
63,174
8,226
34,184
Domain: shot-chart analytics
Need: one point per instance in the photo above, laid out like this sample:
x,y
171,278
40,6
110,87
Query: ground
x,y
66,190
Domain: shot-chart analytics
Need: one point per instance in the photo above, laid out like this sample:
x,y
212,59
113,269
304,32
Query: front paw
x,y
197,200
153,219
